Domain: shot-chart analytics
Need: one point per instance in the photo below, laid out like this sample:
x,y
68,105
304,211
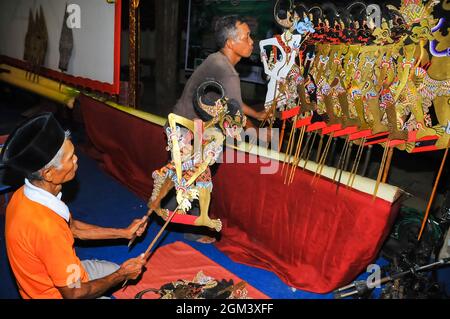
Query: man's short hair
x,y
226,28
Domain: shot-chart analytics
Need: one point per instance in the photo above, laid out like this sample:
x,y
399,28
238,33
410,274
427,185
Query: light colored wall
x,y
93,52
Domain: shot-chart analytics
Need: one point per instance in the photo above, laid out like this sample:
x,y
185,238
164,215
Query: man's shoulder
x,y
25,211
218,60
215,56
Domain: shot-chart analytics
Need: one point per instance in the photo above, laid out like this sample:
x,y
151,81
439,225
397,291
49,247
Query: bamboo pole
x,y
388,164
341,158
46,87
322,158
367,159
319,148
283,127
305,148
344,164
380,171
293,129
297,155
309,150
356,162
289,172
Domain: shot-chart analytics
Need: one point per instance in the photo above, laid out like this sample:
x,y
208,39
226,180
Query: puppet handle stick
x,y
146,254
133,238
434,191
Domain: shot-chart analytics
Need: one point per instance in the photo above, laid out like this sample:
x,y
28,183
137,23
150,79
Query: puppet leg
x,y
203,219
348,120
395,133
160,190
417,110
442,108
333,119
359,105
374,108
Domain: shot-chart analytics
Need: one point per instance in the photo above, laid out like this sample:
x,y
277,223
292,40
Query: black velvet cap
x,y
33,144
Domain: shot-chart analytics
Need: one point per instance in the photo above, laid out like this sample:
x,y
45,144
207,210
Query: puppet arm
x,y
176,156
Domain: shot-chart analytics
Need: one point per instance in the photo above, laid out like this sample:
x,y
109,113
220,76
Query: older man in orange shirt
x,y
39,229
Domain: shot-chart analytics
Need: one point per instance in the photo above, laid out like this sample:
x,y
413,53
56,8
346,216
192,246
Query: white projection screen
x,y
95,60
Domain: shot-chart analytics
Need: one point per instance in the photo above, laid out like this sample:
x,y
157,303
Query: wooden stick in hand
x,y
133,238
147,252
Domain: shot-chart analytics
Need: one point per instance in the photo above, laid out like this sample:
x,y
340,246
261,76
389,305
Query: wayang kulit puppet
x,y
65,44
339,71
194,146
36,40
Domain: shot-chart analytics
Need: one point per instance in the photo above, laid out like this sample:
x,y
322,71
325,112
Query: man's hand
x,y
137,227
249,111
262,115
132,268
129,270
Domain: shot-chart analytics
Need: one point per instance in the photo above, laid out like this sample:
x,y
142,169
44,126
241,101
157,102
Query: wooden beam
x,y
167,37
133,56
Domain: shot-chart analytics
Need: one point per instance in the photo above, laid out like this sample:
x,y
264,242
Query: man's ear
x,y
229,43
47,174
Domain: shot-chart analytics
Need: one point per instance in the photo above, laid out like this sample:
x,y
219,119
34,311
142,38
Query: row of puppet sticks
x,y
309,149
328,144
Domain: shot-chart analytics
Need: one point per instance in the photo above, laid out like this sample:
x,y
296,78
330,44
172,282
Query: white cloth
x,y
99,268
43,197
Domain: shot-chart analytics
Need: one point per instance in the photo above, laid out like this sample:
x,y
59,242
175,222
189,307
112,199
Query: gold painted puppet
x,y
194,146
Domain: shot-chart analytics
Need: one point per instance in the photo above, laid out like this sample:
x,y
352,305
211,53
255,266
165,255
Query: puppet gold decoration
x,y
194,146
333,71
340,70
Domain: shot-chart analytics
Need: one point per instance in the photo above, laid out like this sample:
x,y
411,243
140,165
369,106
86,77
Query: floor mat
x,y
180,261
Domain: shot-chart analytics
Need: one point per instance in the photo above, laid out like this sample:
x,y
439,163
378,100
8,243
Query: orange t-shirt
x,y
40,249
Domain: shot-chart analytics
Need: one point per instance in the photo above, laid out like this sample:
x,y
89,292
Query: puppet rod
x,y
387,165
434,191
147,252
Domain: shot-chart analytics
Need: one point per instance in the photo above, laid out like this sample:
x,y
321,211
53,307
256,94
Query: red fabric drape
x,y
311,237
185,263
127,147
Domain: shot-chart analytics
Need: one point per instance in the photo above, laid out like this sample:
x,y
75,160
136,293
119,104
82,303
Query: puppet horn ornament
x,y
356,4
208,92
284,23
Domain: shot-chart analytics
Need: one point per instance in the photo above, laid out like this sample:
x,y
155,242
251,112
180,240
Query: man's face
x,y
243,44
68,164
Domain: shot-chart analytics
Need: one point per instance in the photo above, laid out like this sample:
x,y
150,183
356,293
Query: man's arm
x,y
86,231
130,269
232,85
249,111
